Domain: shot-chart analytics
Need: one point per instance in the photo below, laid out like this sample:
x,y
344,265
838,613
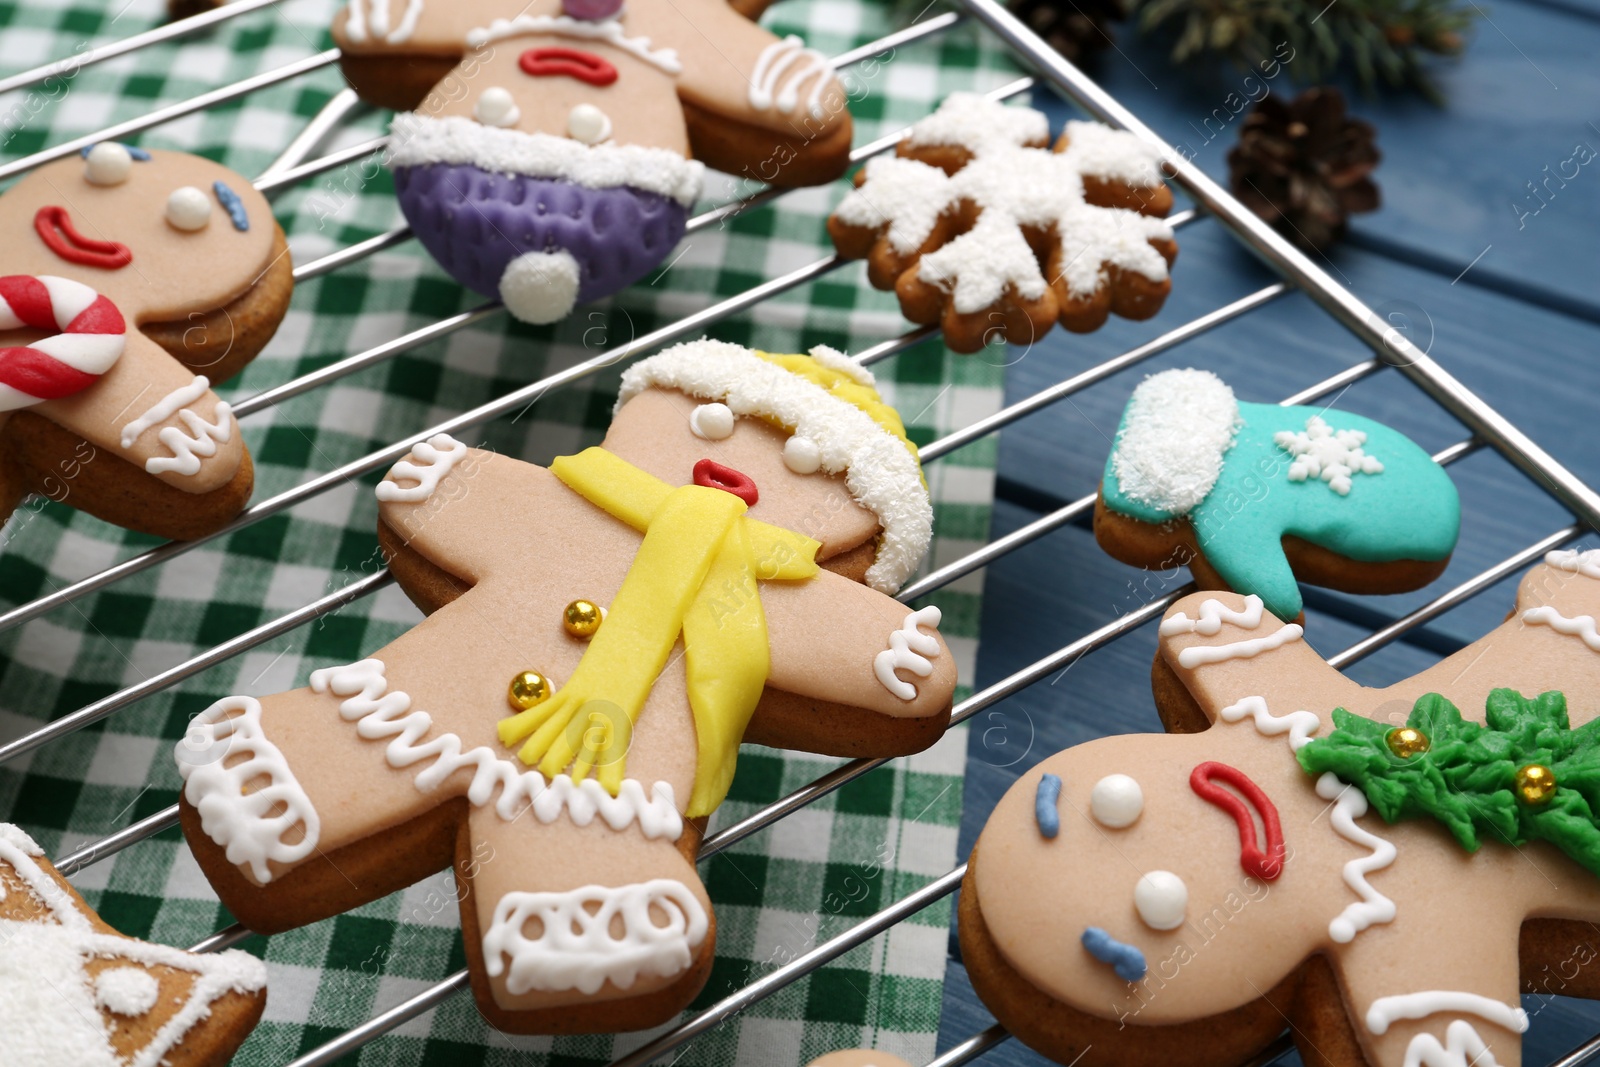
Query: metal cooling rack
x,y
1391,351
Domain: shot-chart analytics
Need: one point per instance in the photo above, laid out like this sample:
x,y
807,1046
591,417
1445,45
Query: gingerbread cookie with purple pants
x,y
75,992
716,571
134,280
548,153
977,225
1383,871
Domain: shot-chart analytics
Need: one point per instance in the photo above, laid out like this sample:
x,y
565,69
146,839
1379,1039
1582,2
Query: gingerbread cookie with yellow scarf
x,y
603,633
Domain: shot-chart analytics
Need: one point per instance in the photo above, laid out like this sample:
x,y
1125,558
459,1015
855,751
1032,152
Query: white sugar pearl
x,y
108,163
588,124
801,455
188,208
1162,899
711,421
1116,801
495,107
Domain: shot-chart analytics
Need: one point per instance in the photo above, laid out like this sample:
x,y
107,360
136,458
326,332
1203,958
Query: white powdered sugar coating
x,y
1097,149
880,473
908,194
1092,237
126,991
1178,426
417,140
976,123
1320,451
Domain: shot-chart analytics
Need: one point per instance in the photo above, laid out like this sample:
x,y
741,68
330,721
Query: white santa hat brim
x,y
1177,427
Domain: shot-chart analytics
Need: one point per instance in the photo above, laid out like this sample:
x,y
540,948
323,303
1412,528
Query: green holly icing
x,y
1467,777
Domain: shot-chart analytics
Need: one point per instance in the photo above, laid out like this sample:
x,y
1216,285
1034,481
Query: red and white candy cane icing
x,y
89,337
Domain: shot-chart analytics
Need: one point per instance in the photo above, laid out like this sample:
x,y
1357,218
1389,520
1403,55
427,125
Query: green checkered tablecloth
x,y
777,893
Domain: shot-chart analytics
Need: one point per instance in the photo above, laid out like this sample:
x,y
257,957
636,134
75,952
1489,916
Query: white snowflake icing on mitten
x,y
1320,451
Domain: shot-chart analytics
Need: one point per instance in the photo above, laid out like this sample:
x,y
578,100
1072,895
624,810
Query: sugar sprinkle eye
x,y
711,421
188,209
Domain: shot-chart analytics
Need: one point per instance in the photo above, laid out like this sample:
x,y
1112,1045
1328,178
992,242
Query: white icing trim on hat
x,y
880,473
1178,426
417,140
608,30
48,1012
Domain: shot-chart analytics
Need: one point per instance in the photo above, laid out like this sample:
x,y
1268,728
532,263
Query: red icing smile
x,y
713,475
567,63
56,230
1264,863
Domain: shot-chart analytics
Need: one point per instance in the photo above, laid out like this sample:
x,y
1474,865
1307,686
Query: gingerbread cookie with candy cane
x,y
602,636
1381,870
548,153
74,991
979,226
1258,497
134,280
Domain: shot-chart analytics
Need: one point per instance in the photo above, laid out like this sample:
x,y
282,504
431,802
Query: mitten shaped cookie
x,y
1182,899
74,991
979,226
135,280
547,161
1252,497
642,607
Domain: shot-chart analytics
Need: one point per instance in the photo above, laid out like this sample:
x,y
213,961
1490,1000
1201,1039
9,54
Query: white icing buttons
x,y
188,209
495,107
1116,801
801,455
108,163
1162,899
126,991
588,124
711,421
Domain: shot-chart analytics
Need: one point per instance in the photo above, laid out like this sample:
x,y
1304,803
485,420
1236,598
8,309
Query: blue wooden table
x,y
1484,252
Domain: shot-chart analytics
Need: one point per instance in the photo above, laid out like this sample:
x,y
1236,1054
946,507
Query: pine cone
x,y
1078,29
1305,166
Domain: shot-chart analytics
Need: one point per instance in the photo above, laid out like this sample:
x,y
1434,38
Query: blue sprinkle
x,y
138,154
1044,805
1126,960
232,205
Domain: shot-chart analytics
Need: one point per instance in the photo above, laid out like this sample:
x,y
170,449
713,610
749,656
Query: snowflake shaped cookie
x,y
978,225
1320,451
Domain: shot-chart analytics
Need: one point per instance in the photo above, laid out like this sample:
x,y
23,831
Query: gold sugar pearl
x,y
1536,784
528,689
1406,741
581,618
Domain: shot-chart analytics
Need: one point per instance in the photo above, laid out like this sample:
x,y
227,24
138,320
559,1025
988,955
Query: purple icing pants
x,y
539,244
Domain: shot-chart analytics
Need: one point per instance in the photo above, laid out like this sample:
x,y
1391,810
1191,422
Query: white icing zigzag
x,y
1320,451
1212,614
165,408
909,649
1581,627
1586,562
1201,655
427,465
1299,725
379,713
775,61
575,948
201,442
242,822
1464,1046
1373,907
357,28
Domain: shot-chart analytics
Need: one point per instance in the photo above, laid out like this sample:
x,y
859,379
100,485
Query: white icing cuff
x,y
427,466
775,61
1586,563
1177,427
200,443
575,947
909,649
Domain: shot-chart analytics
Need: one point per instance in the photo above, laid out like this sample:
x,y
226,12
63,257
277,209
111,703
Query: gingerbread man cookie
x,y
74,991
1183,898
1251,497
602,635
977,225
134,281
548,158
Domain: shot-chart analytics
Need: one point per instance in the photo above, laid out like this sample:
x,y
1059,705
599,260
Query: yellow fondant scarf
x,y
695,574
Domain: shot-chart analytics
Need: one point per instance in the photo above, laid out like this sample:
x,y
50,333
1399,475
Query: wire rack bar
x,y
222,939
972,1047
267,184
316,268
319,129
110,845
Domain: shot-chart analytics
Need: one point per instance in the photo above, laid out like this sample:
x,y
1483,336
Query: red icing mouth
x,y
1264,863
713,475
56,230
567,63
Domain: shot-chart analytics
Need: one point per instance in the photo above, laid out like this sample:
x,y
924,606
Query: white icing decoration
x,y
188,209
1161,899
108,163
1016,187
540,287
1116,801
1581,627
1386,1010
165,408
1178,426
713,421
774,62
418,139
607,30
909,649
370,19
1099,150
1213,613
576,949
379,713
427,465
126,991
881,474
588,124
1373,907
1463,1047
1201,655
200,443
801,455
49,1012
496,107
1299,725
1586,562
249,825
1320,451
